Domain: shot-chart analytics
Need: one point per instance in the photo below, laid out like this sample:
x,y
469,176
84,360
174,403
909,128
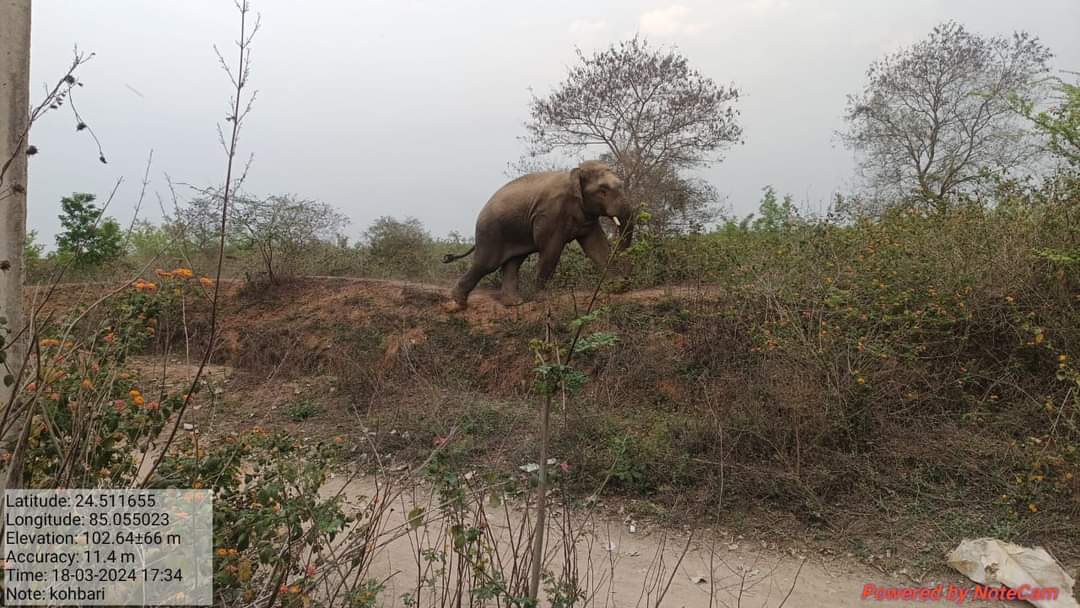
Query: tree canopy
x,y
935,119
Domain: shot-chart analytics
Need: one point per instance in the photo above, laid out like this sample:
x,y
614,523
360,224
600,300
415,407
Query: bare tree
x,y
679,203
280,227
935,119
15,98
645,107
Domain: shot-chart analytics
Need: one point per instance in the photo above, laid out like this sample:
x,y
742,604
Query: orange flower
x,y
87,384
206,282
138,400
47,342
163,273
183,273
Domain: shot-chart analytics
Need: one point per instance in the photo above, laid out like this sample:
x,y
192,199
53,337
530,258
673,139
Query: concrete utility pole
x,y
14,116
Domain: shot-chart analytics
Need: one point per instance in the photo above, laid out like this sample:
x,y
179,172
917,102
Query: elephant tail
x,y
450,257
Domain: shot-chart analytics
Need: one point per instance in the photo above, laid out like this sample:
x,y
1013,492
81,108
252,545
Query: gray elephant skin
x,y
542,213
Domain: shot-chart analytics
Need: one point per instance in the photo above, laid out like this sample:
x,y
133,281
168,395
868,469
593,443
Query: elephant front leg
x,y
510,294
549,261
596,246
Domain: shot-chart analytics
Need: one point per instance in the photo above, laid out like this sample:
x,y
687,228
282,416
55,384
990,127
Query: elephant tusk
x,y
617,222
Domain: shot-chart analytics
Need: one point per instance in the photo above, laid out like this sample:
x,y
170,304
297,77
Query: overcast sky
x,y
414,108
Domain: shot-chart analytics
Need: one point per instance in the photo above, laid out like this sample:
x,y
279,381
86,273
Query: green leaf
x,y
597,340
592,316
416,517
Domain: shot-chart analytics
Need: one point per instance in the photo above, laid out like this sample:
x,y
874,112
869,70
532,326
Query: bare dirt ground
x,y
631,569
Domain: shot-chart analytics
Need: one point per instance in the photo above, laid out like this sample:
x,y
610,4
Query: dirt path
x,y
625,568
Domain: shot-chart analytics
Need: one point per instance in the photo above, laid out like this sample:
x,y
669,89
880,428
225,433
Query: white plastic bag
x,y
991,562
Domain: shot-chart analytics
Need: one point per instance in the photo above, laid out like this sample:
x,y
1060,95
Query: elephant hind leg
x,y
510,294
468,281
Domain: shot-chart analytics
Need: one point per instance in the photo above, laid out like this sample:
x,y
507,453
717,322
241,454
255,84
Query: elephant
x,y
542,212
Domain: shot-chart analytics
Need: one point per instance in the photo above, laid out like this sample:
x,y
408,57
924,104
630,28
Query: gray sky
x,y
414,107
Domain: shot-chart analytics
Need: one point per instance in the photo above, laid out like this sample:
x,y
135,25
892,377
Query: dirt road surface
x,y
629,569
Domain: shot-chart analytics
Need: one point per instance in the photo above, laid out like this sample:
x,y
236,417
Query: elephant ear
x,y
575,185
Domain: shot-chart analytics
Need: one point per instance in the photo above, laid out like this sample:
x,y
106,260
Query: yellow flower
x,y
183,273
134,393
1063,358
87,384
1033,508
222,552
197,485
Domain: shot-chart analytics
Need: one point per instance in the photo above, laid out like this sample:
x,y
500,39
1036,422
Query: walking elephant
x,y
542,212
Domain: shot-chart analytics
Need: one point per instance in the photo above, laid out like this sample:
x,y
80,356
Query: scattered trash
x,y
733,547
532,467
989,561
552,460
633,528
697,580
189,427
